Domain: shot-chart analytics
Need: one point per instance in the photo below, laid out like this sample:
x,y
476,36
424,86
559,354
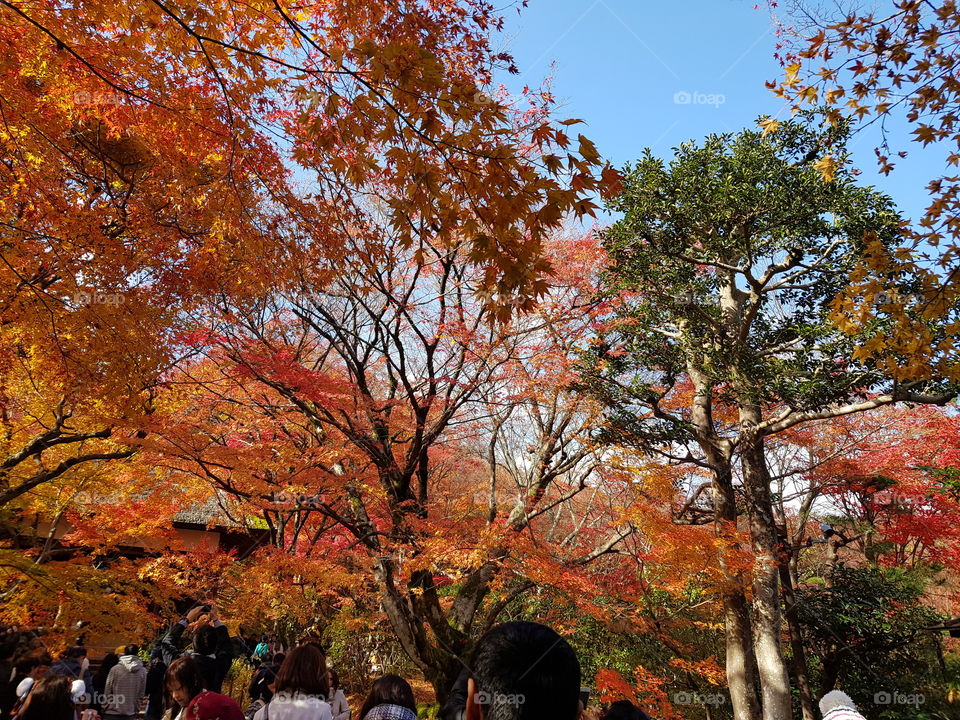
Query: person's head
x,y
334,679
523,670
315,641
205,640
50,699
278,658
389,690
836,699
108,662
303,670
183,681
213,706
131,650
9,644
76,652
624,710
34,663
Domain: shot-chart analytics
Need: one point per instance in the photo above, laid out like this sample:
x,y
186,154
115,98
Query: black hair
x,y
624,710
185,671
524,670
205,641
389,690
278,658
304,670
110,660
28,661
131,650
9,643
49,700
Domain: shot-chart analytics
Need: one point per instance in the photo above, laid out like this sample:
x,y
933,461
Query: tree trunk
x,y
830,674
438,642
741,664
771,665
799,654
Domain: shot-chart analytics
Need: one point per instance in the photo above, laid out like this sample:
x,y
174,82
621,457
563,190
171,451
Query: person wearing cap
x,y
55,697
837,705
213,706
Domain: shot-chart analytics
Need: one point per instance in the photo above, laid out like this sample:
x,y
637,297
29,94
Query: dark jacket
x,y
455,707
71,666
154,688
214,667
261,681
8,690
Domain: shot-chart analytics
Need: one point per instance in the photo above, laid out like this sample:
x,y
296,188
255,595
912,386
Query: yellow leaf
x,y
769,126
793,74
827,165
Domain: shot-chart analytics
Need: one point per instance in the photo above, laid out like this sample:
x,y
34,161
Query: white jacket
x,y
339,706
284,706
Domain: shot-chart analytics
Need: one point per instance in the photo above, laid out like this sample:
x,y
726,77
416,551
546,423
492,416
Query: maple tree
x,y
890,491
161,159
896,62
725,265
265,261
353,418
155,156
841,485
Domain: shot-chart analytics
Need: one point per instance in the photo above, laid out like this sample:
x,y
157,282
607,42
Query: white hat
x,y
78,691
23,689
836,699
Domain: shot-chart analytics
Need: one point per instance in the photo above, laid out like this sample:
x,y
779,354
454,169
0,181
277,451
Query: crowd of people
x,y
518,671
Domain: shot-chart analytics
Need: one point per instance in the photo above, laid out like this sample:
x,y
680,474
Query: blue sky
x,y
645,73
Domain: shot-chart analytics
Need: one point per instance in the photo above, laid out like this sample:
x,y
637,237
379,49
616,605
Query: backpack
x,y
261,681
255,706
